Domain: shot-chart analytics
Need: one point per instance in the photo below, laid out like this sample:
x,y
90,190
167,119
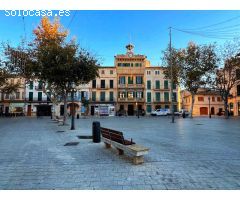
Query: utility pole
x,y
170,51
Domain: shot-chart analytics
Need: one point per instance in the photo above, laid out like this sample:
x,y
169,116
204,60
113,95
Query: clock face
x,y
130,54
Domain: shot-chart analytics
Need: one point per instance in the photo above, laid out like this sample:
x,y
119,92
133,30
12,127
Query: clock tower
x,y
130,48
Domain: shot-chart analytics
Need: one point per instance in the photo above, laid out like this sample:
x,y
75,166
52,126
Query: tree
x,y
59,63
227,78
176,62
7,87
193,67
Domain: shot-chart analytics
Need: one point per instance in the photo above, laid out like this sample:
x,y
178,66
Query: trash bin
x,y
96,133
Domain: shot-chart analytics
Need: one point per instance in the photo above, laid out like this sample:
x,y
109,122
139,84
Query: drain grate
x,y
84,137
71,144
60,131
198,124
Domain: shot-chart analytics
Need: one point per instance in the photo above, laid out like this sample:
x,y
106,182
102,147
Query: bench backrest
x,y
114,135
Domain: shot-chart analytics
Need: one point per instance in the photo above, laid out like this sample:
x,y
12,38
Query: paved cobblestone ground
x,y
190,154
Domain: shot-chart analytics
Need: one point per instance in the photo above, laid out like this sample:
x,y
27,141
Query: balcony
x,y
38,88
38,100
161,89
130,100
103,88
134,86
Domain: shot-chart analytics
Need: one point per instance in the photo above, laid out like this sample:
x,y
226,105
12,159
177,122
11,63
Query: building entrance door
x,y
92,110
203,111
212,111
29,110
130,110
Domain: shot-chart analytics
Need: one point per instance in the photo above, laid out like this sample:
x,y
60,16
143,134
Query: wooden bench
x,y
116,139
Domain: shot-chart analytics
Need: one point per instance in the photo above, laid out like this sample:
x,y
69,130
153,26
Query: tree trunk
x,y
226,107
193,101
65,109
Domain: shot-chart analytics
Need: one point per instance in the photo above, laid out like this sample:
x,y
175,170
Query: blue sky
x,y
106,33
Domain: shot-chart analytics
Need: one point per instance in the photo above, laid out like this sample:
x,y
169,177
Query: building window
x,y
139,95
93,96
39,96
30,96
174,86
157,83
149,97
122,80
111,96
102,96
238,74
139,80
121,95
213,99
130,95
23,95
148,72
219,99
119,64
17,95
111,71
174,96
166,96
111,84
102,83
157,96
31,85
238,90
200,98
6,96
40,85
138,64
93,83
102,72
149,108
157,72
48,96
165,84
149,85
130,80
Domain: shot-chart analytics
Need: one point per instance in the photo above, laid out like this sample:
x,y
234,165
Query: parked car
x,y
182,113
160,112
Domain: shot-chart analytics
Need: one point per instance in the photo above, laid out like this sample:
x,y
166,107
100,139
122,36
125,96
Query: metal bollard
x,y
96,133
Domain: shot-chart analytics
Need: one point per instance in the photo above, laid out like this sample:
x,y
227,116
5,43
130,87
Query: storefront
x,y
16,108
103,109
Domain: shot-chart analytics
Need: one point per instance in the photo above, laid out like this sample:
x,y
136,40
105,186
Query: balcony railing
x,y
36,99
131,86
131,99
38,88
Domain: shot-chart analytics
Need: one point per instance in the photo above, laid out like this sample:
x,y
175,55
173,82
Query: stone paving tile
x,y
182,155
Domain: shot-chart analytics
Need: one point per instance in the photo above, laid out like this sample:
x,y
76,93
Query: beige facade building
x,y
205,102
234,101
103,92
13,103
157,90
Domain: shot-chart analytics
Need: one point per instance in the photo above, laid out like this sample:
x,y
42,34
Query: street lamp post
x,y
170,51
137,109
209,107
73,107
